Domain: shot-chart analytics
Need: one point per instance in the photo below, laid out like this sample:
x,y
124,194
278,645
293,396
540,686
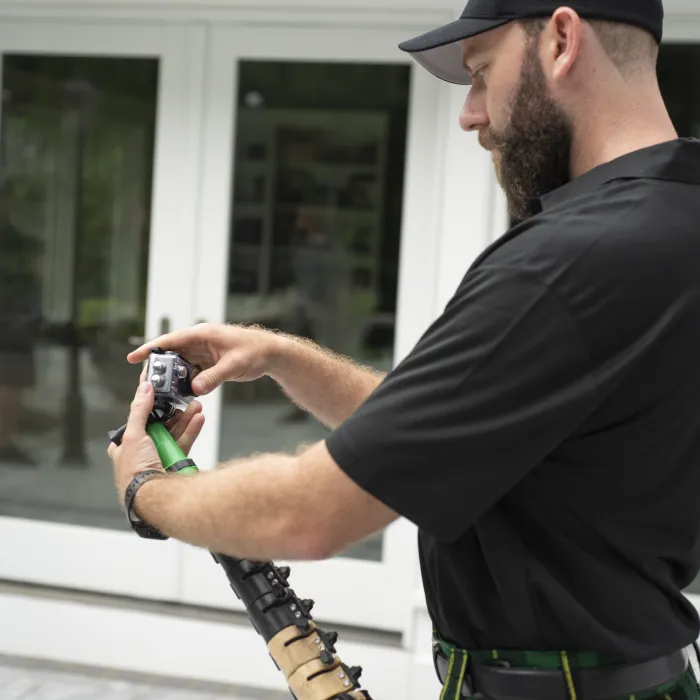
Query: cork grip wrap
x,y
301,650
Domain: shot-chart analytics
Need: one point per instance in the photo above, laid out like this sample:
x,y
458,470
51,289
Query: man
x,y
544,434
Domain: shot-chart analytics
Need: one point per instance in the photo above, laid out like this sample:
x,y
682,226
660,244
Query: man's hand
x,y
223,352
327,385
137,451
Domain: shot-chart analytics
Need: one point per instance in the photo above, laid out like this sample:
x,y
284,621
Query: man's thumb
x,y
141,406
205,382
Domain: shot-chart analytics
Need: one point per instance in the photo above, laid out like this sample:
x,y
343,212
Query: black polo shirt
x,y
544,433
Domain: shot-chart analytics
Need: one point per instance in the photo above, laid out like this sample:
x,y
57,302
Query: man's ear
x,y
561,43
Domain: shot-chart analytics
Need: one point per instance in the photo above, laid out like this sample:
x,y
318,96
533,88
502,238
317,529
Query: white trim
x,y
682,27
500,221
401,7
423,217
172,645
466,200
176,177
682,18
20,33
212,228
409,20
422,213
346,591
208,649
84,558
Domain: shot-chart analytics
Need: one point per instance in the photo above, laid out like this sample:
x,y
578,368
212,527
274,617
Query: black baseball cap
x,y
440,52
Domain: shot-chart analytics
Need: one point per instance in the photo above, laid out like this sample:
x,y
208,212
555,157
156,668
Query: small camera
x,y
171,376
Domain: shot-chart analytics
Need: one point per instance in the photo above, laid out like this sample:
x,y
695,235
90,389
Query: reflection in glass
x,y
315,229
679,73
75,189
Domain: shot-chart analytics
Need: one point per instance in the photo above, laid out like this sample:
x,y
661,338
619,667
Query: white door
x,y
92,224
318,217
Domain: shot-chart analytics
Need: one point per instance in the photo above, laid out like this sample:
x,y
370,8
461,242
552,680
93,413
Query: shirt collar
x,y
677,160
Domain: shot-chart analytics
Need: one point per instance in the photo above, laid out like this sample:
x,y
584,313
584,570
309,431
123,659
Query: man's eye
x,y
480,75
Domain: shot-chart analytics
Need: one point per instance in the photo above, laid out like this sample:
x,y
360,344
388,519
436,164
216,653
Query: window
x,y
75,190
315,230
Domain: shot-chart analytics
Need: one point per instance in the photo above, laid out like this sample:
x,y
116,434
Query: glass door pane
x,y
86,166
315,230
76,168
317,217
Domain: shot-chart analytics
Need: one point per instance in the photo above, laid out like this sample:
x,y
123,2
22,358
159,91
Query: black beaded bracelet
x,y
141,528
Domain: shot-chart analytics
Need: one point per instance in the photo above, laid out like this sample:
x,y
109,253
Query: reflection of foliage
x,y
95,312
43,122
359,304
324,85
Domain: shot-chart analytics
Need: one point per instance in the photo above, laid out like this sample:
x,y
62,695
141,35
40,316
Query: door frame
x,y
332,583
90,558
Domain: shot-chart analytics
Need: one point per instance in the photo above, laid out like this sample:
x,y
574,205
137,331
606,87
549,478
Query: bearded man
x,y
544,433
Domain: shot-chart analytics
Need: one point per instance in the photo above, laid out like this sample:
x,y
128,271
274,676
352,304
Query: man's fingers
x,y
172,422
170,341
191,433
141,407
177,341
179,424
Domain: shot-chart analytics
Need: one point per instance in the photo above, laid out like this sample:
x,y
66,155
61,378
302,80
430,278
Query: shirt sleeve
x,y
493,386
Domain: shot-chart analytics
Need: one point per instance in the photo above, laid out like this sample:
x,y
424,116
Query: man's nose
x,y
473,116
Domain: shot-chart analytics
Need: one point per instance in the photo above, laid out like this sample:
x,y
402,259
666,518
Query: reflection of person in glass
x,y
317,279
316,269
19,312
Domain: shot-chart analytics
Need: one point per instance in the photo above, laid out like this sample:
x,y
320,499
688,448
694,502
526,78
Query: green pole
x,y
172,457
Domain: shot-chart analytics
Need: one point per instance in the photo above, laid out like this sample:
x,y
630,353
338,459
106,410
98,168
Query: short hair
x,y
629,48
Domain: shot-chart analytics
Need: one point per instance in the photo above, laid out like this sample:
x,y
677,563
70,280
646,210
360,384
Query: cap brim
x,y
440,52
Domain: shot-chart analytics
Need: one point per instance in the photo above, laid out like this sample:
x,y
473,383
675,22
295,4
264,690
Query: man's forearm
x,y
329,386
234,510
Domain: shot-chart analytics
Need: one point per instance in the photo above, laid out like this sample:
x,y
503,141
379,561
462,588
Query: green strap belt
x,y
456,670
458,664
458,660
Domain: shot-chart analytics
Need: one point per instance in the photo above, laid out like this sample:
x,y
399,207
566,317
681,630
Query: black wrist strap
x,y
137,525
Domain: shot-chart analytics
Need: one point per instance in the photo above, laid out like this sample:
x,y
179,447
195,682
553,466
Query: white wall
x,y
401,6
671,6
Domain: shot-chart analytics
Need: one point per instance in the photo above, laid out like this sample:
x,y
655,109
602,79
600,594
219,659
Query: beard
x,y
533,152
